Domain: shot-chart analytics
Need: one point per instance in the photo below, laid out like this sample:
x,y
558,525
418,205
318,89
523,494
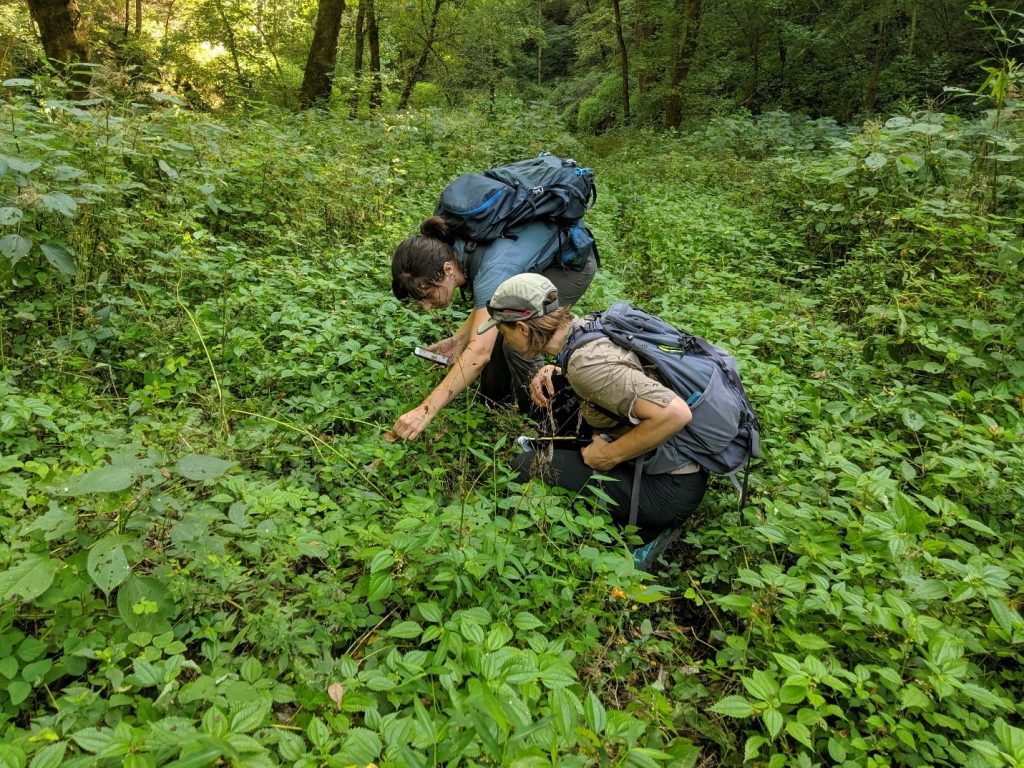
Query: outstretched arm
x,y
464,371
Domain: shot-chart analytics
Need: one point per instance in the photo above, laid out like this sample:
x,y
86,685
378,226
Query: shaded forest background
x,y
603,63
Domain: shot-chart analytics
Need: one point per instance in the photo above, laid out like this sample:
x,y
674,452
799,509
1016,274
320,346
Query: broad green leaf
x,y
761,685
382,560
472,632
527,621
898,122
202,756
644,757
594,712
566,711
50,757
875,160
19,165
33,673
985,697
800,732
167,169
430,612
361,746
753,746
10,216
911,161
107,562
8,667
145,605
733,706
60,202
12,756
107,479
836,750
318,733
18,82
92,739
29,578
158,96
913,419
59,257
380,586
405,630
773,721
198,467
250,716
18,691
290,746
499,636
15,247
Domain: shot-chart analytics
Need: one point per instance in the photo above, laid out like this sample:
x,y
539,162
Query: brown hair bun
x,y
437,228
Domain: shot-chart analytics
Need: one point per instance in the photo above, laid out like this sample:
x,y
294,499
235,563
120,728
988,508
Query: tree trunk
x,y
373,34
623,60
682,58
421,63
58,30
164,42
643,31
871,92
783,73
357,64
127,17
138,18
323,54
229,37
913,27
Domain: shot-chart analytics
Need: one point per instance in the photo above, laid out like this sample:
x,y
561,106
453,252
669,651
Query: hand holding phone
x,y
426,354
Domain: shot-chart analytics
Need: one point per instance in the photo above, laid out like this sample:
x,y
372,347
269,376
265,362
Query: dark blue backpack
x,y
480,207
724,433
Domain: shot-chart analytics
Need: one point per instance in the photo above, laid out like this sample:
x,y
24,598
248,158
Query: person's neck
x,y
460,276
557,341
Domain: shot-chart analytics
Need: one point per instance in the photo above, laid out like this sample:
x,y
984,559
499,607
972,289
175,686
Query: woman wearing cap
x,y
618,399
428,267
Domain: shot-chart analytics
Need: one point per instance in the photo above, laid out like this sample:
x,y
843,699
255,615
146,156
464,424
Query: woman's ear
x,y
523,329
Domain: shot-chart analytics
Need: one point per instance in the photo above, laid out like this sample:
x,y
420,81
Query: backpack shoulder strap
x,y
591,330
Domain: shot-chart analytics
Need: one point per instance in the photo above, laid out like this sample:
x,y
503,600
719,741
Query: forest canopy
x,y
604,64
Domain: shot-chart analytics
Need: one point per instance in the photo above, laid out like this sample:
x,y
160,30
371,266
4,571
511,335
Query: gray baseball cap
x,y
520,298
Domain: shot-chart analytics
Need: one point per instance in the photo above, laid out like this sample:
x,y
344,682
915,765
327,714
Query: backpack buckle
x,y
539,190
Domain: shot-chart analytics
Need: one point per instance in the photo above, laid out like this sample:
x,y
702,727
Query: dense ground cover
x,y
208,553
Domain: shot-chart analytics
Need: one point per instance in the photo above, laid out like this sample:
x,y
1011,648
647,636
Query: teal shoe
x,y
646,557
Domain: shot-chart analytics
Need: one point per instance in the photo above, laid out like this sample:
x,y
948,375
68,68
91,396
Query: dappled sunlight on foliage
x,y
208,554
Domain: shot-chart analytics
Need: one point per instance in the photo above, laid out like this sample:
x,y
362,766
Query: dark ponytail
x,y
417,264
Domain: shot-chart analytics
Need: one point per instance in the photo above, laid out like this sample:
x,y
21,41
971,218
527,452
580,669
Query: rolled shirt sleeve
x,y
604,374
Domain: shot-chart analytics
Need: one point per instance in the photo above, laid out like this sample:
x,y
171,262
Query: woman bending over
x,y
619,399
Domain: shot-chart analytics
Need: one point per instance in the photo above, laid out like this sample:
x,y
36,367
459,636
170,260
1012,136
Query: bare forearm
x,y
657,424
645,436
464,371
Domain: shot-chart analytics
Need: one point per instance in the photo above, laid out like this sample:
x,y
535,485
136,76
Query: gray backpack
x,y
724,433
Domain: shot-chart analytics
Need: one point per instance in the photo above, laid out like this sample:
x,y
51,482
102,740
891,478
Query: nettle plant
x,y
865,609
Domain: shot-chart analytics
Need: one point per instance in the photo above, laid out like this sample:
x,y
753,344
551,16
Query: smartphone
x,y
426,354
